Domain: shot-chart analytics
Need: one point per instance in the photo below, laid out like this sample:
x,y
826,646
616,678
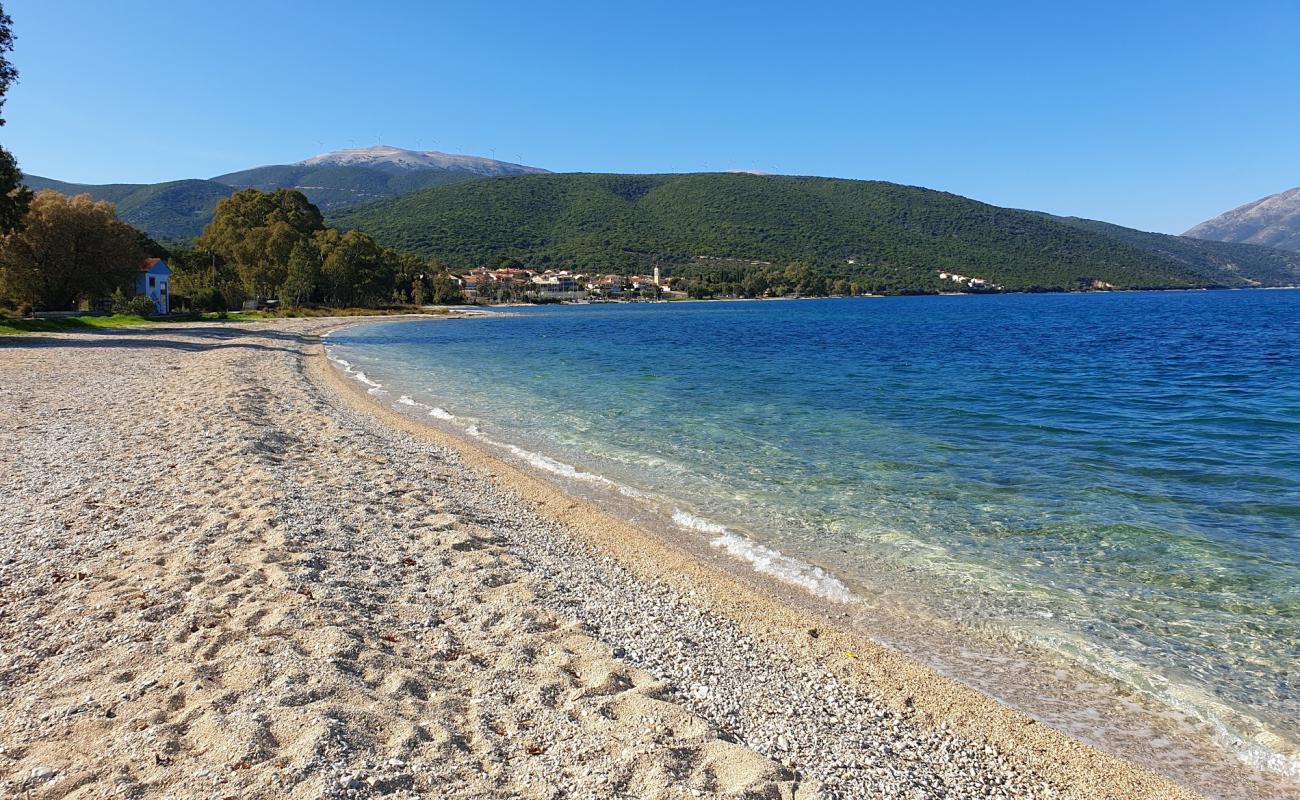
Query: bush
x,y
23,310
208,300
134,305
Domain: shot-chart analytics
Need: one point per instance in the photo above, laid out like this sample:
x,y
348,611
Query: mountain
x,y
893,237
171,210
178,210
347,177
395,159
1273,221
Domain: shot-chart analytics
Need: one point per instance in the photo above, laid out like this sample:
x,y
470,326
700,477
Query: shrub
x,y
23,310
134,305
208,300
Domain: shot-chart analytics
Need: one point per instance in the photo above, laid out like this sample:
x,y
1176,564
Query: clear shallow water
x,y
1115,478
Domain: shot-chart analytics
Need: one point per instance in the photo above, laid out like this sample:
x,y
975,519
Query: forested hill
x,y
171,210
883,236
1214,262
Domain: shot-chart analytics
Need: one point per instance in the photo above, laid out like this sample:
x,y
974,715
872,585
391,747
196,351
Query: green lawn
x,y
8,325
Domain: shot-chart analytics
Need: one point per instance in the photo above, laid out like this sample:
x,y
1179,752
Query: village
x,y
507,284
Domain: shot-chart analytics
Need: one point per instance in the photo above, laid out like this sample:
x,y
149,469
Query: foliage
x,y
354,269
132,305
302,275
256,231
445,290
203,280
276,247
14,198
331,186
174,210
710,229
1216,263
179,210
69,249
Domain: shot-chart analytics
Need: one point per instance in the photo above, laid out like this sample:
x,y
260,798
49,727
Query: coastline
x,y
789,619
292,559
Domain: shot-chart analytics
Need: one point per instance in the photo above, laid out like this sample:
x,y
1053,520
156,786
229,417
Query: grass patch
x,y
91,322
54,324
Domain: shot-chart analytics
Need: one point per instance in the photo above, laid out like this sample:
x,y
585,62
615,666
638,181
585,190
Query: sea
x,y
1106,485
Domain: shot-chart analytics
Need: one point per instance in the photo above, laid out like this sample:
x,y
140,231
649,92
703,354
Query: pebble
x,y
834,737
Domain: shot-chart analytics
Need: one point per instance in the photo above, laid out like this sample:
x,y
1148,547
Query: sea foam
x,y
358,375
809,577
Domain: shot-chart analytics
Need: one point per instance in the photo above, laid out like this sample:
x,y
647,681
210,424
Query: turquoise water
x,y
1112,477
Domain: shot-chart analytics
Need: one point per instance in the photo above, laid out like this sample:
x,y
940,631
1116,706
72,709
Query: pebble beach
x,y
225,571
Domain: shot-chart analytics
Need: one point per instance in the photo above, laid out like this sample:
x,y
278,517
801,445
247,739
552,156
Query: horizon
x,y
1148,118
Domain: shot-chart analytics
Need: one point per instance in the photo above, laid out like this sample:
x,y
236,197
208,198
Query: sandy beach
x,y
225,571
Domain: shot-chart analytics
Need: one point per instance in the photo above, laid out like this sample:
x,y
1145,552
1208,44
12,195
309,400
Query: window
x,y
151,281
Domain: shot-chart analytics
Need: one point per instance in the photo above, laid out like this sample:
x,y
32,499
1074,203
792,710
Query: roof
x,y
152,263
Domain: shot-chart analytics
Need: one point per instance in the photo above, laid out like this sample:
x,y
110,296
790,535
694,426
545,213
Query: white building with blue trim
x,y
152,283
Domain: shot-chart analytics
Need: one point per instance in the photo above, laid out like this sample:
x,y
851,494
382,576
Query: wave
x,y
434,411
767,561
375,387
689,521
357,375
556,467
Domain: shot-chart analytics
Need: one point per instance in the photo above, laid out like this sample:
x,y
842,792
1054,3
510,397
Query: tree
x,y
257,231
205,279
445,290
14,197
353,267
406,269
68,249
302,275
754,284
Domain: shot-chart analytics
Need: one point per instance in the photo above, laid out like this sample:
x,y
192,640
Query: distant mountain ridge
x,y
1272,221
177,210
885,235
395,159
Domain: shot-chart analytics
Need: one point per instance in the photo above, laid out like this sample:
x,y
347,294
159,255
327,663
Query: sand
x,y
226,571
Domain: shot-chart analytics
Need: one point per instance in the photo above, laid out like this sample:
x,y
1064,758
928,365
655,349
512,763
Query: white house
x,y
152,283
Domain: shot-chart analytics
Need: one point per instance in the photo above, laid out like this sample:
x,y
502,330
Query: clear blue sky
x,y
1150,114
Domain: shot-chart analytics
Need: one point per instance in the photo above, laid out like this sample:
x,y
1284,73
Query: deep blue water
x,y
1114,477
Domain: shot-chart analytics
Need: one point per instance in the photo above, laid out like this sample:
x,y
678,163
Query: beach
x,y
228,571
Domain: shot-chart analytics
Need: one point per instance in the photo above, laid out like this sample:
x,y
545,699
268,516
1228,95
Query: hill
x,y
334,186
358,175
885,236
1273,221
1214,262
171,210
178,210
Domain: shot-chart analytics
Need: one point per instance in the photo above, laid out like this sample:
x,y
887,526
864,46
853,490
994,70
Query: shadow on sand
x,y
197,339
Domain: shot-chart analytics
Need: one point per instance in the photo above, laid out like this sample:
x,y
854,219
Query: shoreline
x,y
278,587
785,617
515,304
1190,734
